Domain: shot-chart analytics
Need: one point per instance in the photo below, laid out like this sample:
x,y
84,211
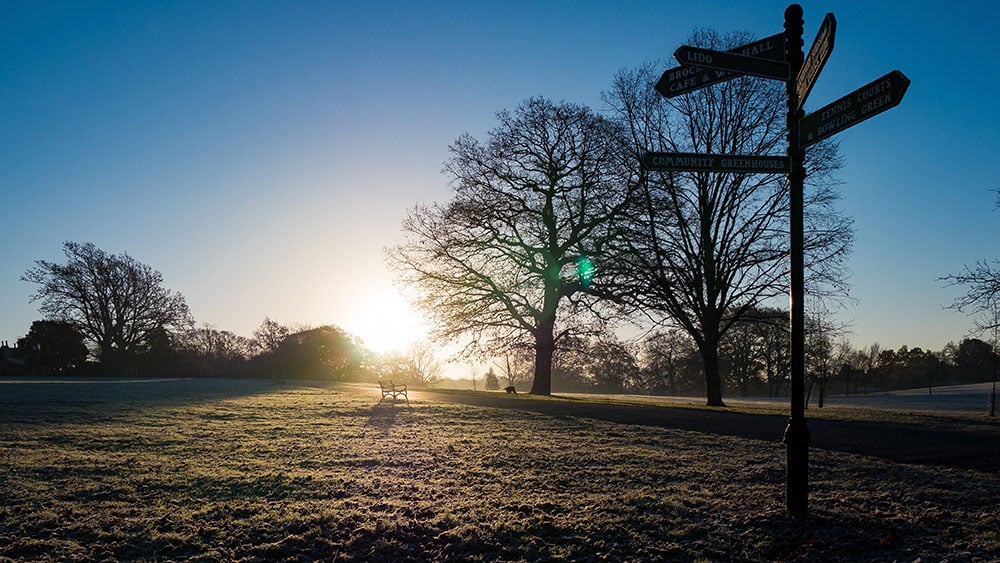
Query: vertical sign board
x,y
868,101
818,54
688,78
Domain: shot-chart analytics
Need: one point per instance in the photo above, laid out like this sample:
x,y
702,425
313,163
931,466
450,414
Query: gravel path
x,y
907,444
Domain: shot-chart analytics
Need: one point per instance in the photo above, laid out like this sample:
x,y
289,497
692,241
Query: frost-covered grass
x,y
209,470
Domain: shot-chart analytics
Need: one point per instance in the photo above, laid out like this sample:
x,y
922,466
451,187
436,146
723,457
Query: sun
x,y
386,322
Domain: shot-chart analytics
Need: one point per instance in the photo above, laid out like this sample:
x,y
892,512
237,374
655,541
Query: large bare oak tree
x,y
704,249
515,258
118,303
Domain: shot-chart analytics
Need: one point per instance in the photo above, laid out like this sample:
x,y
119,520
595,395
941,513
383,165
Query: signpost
x,y
731,62
695,162
688,78
868,101
799,74
818,54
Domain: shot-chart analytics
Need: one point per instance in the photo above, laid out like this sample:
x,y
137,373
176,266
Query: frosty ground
x,y
246,470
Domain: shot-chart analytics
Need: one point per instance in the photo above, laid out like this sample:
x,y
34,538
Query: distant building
x,y
10,363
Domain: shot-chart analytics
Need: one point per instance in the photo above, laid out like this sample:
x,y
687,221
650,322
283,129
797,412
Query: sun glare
x,y
386,322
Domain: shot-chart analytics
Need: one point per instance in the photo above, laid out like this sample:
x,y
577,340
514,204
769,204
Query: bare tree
x,y
517,254
705,248
516,366
981,301
982,297
613,367
665,357
427,368
217,351
740,352
269,335
771,327
870,361
826,352
118,303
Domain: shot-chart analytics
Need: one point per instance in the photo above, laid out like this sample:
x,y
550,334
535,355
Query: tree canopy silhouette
x,y
118,303
982,297
327,352
517,254
703,249
53,347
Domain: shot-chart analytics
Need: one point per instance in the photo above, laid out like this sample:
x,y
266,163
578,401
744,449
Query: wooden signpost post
x,y
781,57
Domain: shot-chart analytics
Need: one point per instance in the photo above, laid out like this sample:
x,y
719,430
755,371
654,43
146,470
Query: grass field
x,y
245,470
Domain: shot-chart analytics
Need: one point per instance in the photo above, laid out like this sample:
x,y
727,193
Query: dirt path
x,y
907,444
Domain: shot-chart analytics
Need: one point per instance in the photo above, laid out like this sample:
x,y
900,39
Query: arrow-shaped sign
x,y
818,54
684,79
695,162
868,101
740,64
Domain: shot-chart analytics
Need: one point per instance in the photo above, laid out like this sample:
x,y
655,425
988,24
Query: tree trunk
x,y
713,378
544,349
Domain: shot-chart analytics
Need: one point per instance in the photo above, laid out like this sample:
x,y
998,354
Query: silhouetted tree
x,y
519,249
571,366
217,352
982,297
492,382
427,368
516,366
706,248
115,301
669,363
870,362
327,352
974,360
53,347
771,327
164,356
613,366
269,335
821,355
740,355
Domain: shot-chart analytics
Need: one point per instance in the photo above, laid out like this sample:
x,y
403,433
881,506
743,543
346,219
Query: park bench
x,y
393,390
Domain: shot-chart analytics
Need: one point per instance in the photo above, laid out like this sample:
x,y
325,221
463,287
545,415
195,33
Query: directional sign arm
x,y
818,54
732,62
868,101
688,78
695,162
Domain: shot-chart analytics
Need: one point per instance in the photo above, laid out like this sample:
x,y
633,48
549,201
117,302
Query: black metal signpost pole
x,y
796,433
703,67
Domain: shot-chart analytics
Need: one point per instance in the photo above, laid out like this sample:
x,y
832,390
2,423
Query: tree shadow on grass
x,y
84,400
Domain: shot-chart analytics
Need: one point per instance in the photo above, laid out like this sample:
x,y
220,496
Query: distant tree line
x,y
753,354
110,315
754,362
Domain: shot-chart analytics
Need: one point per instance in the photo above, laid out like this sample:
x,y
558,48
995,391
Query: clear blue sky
x,y
261,154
